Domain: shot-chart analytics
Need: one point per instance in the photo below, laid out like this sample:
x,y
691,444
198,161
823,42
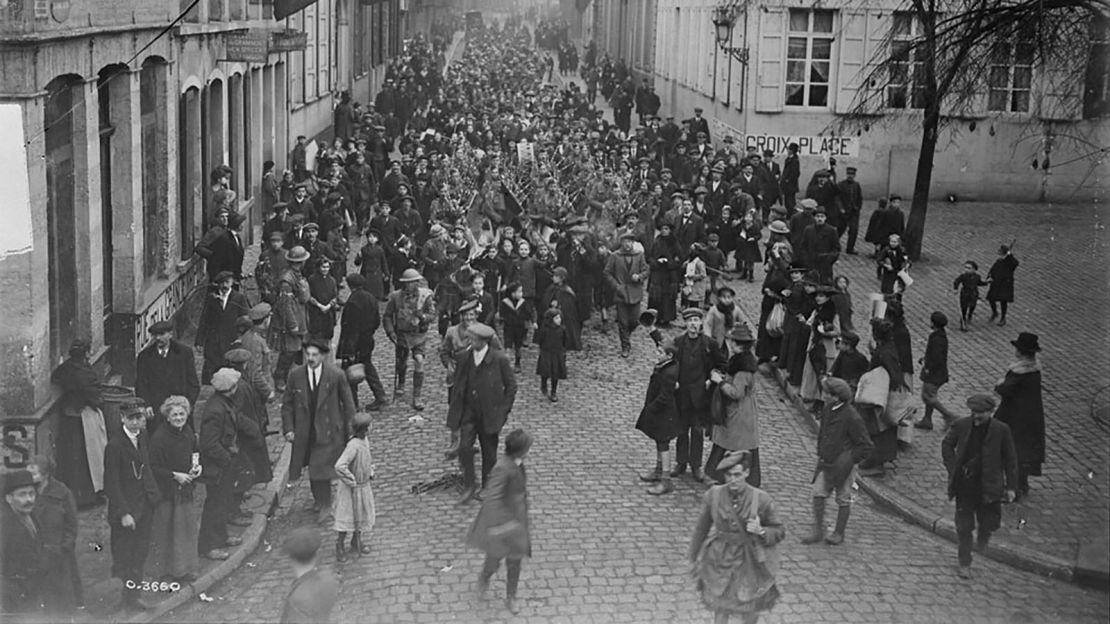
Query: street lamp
x,y
724,20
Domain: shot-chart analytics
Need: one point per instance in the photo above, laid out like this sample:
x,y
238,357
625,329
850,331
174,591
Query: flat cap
x,y
690,313
243,323
302,543
223,276
226,378
838,388
259,311
161,327
807,204
468,305
732,459
481,330
981,403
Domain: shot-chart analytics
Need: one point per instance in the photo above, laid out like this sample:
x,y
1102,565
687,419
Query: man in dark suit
x,y
165,368
481,398
222,247
820,247
697,355
360,320
316,413
216,329
21,555
698,124
132,494
775,172
788,183
982,466
751,184
689,228
851,203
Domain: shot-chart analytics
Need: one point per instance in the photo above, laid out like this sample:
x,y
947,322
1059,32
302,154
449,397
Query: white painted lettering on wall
x,y
168,303
807,145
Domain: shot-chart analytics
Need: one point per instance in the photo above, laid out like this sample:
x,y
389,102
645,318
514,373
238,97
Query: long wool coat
x,y
740,431
334,410
216,330
659,417
1022,408
999,460
501,528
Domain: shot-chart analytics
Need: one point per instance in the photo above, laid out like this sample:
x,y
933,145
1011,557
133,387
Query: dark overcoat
x,y
216,330
934,369
21,563
157,377
329,420
490,391
1001,278
695,358
999,460
501,528
1022,408
311,598
659,417
56,519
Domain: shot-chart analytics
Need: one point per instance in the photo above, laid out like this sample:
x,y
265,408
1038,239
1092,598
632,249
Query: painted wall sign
x,y
807,145
168,303
288,41
251,46
18,445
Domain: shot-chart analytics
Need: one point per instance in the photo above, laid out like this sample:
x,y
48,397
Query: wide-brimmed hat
x,y
297,254
411,275
1027,343
779,227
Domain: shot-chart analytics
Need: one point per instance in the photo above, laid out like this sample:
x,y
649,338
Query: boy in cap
x,y
934,373
842,442
315,591
982,466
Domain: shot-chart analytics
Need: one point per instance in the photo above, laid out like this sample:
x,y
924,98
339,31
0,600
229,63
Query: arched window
x,y
64,101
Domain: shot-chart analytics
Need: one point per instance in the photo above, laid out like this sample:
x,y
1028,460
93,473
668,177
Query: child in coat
x,y
516,315
354,500
849,364
695,287
552,363
967,284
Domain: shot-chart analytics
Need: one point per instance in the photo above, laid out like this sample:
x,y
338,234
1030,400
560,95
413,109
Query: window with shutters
x,y
323,47
297,63
906,84
809,57
1010,72
1096,91
310,54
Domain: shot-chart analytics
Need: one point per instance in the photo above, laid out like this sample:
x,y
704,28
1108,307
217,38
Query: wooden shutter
x,y
771,71
861,42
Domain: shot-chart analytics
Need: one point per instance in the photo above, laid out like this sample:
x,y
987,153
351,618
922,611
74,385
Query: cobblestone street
x,y
604,550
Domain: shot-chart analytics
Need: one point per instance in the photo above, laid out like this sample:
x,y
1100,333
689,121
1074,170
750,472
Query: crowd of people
x,y
516,208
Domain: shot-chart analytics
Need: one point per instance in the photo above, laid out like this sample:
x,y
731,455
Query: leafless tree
x,y
958,45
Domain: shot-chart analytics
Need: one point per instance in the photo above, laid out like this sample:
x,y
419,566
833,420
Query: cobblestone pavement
x,y
605,551
1061,296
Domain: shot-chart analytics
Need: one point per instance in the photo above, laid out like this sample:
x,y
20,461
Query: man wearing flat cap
x,y
21,557
315,590
132,494
222,247
698,124
482,396
820,246
216,329
842,442
219,458
316,412
165,368
626,271
851,201
982,466
697,355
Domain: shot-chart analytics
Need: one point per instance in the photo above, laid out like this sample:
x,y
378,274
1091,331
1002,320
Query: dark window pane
x,y
899,73
999,77
1020,102
1023,77
819,71
902,24
918,98
900,51
1024,54
822,48
795,95
796,49
997,100
795,71
799,20
1000,53
823,21
896,97
818,95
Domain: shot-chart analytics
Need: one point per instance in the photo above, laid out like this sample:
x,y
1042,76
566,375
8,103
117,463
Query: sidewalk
x,y
94,558
1060,529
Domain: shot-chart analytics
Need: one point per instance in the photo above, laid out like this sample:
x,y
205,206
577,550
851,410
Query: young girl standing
x,y
552,363
516,315
354,500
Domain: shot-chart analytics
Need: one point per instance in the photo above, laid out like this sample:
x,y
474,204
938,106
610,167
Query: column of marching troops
x,y
455,239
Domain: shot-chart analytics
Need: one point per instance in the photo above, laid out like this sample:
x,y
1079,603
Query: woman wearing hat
x,y
1022,408
735,564
733,409
323,302
824,325
665,263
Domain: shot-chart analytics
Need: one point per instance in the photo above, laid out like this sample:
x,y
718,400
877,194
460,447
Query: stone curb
x,y
252,535
1009,554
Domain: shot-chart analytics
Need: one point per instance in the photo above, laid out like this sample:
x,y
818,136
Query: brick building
x,y
806,64
110,121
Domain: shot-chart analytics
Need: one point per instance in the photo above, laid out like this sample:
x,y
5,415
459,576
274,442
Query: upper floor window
x,y
1096,91
809,57
906,84
1010,72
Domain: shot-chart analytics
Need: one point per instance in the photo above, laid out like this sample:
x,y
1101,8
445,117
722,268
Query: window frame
x,y
913,67
1011,44
810,36
1096,78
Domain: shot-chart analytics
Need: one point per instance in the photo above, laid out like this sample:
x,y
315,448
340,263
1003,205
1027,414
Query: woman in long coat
x,y
1022,408
323,302
824,324
82,432
883,435
502,529
776,280
173,550
735,564
1001,278
665,262
659,418
736,426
